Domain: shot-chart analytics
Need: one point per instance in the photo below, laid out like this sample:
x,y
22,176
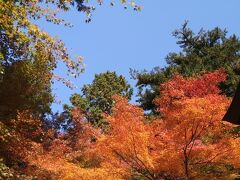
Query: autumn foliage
x,y
101,135
189,136
179,88
188,141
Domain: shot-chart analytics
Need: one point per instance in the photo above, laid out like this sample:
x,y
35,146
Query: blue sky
x,y
119,39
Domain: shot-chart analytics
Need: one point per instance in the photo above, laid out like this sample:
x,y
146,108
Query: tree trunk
x,y
233,112
186,163
186,170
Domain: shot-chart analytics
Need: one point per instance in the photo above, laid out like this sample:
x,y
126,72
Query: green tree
x,y
96,98
201,52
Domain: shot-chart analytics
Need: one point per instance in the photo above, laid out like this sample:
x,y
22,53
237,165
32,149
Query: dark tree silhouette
x,y
233,112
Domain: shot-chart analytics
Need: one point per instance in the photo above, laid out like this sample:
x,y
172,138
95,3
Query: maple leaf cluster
x,y
189,140
189,136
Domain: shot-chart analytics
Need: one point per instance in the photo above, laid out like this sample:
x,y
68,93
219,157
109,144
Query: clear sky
x,y
119,39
